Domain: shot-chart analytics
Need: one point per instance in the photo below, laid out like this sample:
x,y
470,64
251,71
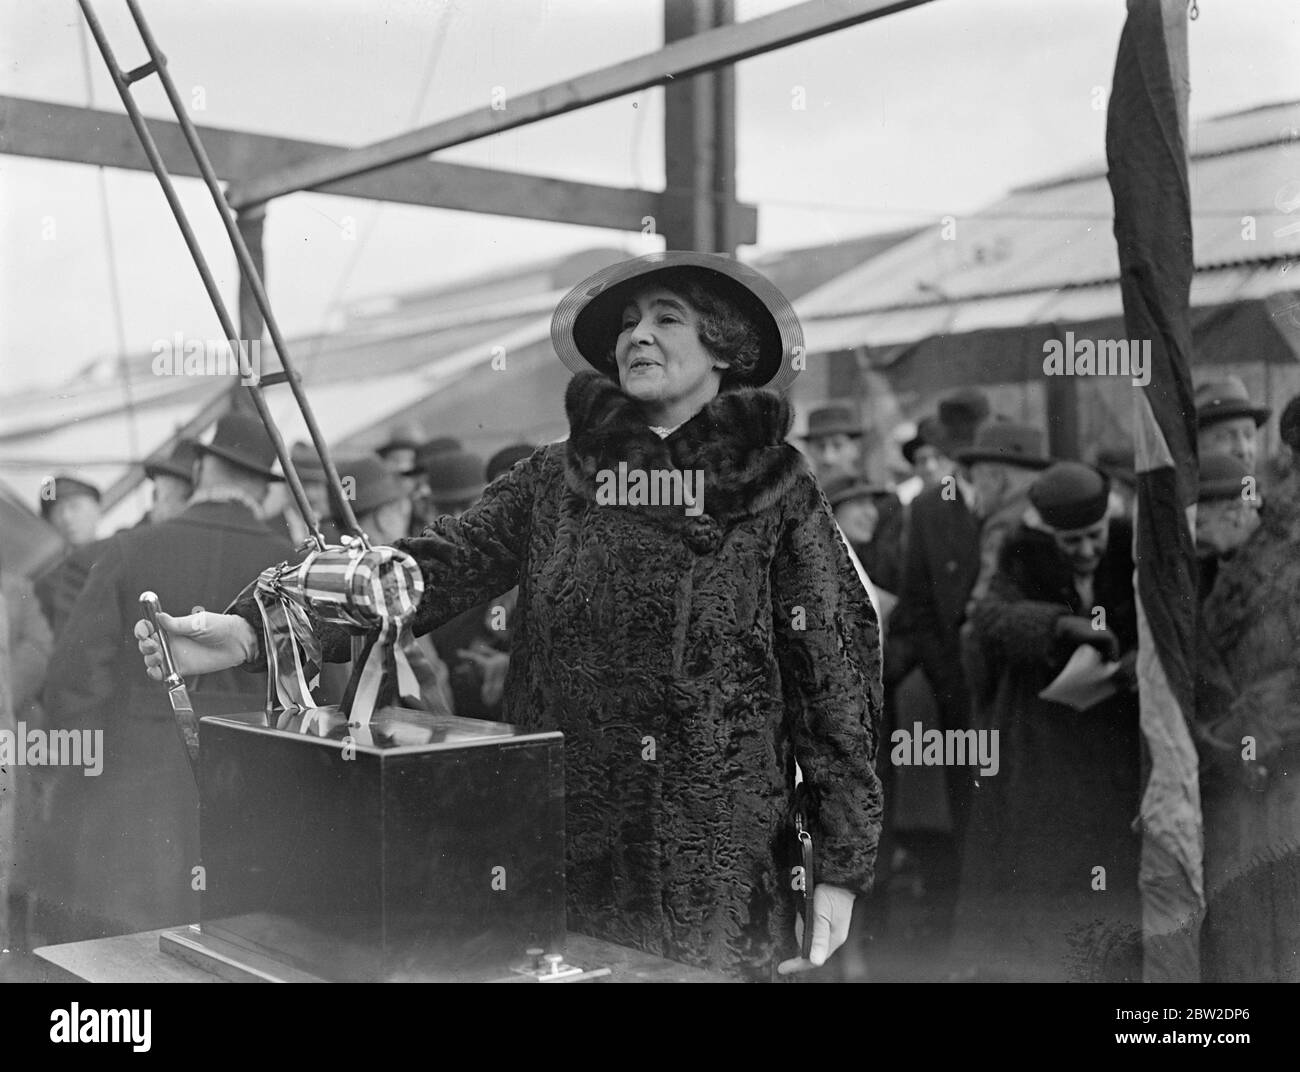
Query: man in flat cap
x,y
1049,884
1227,422
129,837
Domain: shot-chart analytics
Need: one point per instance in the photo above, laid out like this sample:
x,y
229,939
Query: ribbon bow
x,y
374,592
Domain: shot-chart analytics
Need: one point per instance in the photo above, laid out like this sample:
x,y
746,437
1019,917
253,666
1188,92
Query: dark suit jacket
x,y
58,586
942,562
132,832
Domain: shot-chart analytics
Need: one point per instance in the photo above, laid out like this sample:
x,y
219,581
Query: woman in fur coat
x,y
690,650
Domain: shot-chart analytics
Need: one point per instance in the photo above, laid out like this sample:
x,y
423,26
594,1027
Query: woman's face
x,y
659,354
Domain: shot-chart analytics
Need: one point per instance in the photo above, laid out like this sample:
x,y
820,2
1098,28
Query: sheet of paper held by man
x,y
1084,682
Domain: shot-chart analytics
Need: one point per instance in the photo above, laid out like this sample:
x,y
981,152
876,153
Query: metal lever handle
x,y
152,609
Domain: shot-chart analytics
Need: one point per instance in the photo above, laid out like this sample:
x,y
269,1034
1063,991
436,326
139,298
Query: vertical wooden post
x,y
699,140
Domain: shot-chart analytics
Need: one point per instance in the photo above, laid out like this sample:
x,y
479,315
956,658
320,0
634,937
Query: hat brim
x,y
971,456
830,430
239,460
587,320
157,469
1231,411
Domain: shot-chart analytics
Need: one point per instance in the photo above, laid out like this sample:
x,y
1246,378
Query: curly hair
x,y
724,329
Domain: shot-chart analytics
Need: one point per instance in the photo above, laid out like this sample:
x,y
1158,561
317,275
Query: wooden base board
x,y
228,961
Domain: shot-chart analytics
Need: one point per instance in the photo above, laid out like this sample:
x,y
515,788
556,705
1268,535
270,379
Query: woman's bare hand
x,y
200,643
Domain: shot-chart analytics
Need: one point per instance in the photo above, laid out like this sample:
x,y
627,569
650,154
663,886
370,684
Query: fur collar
x,y
737,440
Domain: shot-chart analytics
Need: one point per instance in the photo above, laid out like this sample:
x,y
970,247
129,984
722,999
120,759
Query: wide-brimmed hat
x,y
845,488
373,484
66,487
1224,400
1071,495
1221,476
1007,443
455,476
588,318
835,419
242,441
180,463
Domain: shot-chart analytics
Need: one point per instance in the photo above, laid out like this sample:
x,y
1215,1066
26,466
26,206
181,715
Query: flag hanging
x,y
1146,127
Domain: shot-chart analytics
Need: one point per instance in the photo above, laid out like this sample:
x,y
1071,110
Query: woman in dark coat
x,y
690,653
1049,876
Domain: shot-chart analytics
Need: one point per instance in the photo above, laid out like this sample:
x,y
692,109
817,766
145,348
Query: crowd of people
x,y
997,564
741,641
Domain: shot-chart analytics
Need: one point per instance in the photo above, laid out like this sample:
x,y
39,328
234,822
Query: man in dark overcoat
x,y
124,848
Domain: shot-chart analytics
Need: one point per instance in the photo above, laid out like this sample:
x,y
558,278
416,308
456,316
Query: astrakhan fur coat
x,y
689,661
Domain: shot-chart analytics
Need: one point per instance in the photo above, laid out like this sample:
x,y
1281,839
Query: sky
x,y
929,112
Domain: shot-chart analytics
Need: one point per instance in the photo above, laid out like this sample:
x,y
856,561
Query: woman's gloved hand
x,y
200,643
1075,629
831,910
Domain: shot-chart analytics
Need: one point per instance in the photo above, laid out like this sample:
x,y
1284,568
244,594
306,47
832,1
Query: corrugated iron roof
x,y
1056,236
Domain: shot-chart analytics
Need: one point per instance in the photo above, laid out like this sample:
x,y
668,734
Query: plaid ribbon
x,y
375,593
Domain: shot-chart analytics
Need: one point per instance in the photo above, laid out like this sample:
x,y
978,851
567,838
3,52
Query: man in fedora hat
x,y
1061,805
1004,461
925,454
131,834
1227,422
173,481
834,441
399,450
